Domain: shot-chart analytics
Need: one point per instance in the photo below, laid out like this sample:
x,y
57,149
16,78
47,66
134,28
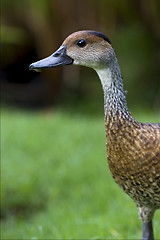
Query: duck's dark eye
x,y
81,43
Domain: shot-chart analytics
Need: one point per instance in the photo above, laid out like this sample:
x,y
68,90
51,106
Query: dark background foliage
x,y
33,29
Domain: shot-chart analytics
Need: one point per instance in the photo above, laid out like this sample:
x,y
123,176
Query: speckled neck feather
x,y
115,105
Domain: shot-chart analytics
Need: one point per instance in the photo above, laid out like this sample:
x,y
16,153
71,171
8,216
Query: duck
x,y
133,148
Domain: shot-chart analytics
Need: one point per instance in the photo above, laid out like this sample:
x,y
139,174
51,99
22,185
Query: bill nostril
x,y
57,54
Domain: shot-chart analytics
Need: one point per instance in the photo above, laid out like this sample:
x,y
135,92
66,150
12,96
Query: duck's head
x,y
85,48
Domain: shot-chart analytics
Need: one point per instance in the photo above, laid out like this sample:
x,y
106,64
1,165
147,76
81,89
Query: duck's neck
x,y
115,105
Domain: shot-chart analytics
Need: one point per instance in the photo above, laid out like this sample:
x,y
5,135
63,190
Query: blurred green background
x,y
55,178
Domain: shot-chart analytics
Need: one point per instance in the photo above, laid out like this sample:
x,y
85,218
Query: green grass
x,y
56,182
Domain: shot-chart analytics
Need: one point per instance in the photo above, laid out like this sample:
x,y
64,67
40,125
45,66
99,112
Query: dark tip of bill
x,y
31,67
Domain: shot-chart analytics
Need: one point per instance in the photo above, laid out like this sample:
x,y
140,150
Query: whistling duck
x,y
133,148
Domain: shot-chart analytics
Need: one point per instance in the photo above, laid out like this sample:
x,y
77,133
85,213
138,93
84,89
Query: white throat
x,y
105,76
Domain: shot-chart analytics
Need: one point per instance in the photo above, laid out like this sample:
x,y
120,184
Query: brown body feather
x,y
133,150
